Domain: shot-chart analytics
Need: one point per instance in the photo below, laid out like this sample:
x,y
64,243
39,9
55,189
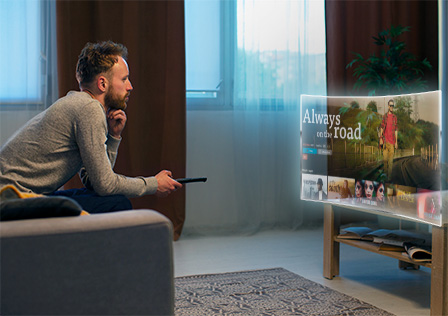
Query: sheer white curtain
x,y
29,68
280,55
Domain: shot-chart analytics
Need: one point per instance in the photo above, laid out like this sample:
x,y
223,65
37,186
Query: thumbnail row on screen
x,y
388,197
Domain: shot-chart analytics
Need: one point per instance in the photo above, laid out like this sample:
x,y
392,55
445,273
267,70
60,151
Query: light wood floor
x,y
370,277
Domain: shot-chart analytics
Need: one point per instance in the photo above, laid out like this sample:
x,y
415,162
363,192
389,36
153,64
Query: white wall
x,y
210,154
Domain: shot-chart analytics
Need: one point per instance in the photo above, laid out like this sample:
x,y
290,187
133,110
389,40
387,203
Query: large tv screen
x,y
377,153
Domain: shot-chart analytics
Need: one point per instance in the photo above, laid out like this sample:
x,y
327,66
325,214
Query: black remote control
x,y
188,180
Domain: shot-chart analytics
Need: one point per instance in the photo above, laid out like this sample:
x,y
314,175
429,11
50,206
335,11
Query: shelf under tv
x,y
367,245
439,264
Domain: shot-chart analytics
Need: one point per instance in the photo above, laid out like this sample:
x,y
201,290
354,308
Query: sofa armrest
x,y
103,264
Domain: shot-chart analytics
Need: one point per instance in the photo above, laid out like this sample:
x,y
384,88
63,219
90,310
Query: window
x,y
253,53
208,32
28,55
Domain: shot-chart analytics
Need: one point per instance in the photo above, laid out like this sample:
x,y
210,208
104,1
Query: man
x,y
320,194
389,138
81,133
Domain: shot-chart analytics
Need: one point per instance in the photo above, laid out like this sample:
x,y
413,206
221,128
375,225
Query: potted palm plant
x,y
394,71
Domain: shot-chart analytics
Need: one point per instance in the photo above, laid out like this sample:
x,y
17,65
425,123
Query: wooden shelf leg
x,y
439,271
331,248
403,265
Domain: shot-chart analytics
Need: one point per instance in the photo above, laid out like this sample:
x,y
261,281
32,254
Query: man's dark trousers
x,y
94,203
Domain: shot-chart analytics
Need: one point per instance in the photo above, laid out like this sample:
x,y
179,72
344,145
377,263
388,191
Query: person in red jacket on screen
x,y
389,138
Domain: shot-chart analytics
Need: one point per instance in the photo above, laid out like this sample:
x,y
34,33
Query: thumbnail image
x,y
359,190
370,192
341,189
429,205
380,194
314,187
402,199
391,194
406,196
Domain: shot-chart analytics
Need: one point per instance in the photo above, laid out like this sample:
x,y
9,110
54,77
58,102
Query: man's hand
x,y
166,184
396,145
116,120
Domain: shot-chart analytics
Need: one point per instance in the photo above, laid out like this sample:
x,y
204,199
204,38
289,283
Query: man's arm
x,y
396,139
98,164
382,128
116,121
91,130
381,136
112,145
396,131
166,184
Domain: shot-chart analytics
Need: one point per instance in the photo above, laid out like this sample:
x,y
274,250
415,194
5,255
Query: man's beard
x,y
113,101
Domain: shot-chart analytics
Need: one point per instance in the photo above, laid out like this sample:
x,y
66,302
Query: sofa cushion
x,y
39,207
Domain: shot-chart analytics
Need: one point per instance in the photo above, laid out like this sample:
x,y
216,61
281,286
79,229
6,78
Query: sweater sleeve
x,y
98,154
112,145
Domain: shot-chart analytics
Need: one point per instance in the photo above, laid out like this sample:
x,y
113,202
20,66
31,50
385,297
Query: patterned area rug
x,y
263,292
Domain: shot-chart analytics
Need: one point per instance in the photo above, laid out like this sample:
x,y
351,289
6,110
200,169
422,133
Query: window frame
x,y
47,60
224,91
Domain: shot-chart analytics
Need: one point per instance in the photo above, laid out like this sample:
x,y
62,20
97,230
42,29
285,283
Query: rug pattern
x,y
263,292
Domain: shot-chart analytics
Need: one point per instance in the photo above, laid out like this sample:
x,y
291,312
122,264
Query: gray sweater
x,y
53,146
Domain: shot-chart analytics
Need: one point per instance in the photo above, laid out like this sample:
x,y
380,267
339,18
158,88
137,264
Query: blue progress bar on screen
x,y
309,150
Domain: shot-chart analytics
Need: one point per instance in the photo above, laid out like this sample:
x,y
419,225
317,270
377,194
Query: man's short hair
x,y
393,102
97,58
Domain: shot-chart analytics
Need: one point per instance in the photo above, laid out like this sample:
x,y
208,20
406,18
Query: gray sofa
x,y
105,264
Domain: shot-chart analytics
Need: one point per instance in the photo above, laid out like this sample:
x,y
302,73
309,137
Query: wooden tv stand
x,y
439,264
